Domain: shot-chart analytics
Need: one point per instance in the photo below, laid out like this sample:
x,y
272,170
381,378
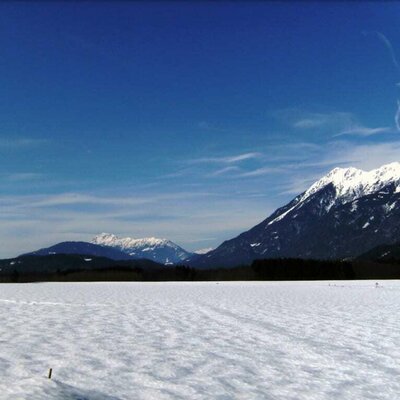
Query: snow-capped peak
x,y
351,183
160,250
108,239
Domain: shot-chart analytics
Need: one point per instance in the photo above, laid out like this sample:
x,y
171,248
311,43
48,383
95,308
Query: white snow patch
x,y
279,217
204,251
390,207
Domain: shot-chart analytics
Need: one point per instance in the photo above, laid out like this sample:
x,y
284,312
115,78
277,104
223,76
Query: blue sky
x,y
191,121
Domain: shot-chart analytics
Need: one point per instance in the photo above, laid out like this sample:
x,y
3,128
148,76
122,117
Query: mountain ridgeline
x,y
82,248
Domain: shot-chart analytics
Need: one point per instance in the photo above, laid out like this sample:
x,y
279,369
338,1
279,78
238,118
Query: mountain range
x,y
344,214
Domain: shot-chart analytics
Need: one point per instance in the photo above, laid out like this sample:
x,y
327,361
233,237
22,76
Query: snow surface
x,y
113,341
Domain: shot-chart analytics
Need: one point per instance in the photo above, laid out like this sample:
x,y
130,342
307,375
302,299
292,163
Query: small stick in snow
x,y
50,372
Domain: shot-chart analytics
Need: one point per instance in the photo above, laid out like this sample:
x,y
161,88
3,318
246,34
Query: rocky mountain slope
x,y
344,214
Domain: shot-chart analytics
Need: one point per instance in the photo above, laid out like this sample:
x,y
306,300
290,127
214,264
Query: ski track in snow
x,y
231,340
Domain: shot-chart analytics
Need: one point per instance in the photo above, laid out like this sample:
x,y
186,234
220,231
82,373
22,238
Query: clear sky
x,y
191,121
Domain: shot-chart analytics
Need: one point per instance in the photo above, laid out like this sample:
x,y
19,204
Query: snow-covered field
x,y
241,340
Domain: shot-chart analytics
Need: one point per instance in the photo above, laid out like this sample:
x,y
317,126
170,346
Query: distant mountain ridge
x,y
382,253
160,250
82,248
343,214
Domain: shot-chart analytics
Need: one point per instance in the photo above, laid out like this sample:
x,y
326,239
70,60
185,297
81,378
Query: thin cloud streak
x,y
392,53
226,159
8,142
21,176
364,131
303,120
389,46
224,171
262,172
70,199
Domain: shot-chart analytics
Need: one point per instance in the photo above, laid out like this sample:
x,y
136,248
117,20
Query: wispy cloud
x,y
305,120
363,131
21,176
9,142
83,199
224,171
308,123
298,185
262,171
338,123
319,120
365,156
392,53
389,46
226,159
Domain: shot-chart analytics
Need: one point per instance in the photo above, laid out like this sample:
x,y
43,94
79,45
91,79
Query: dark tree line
x,y
268,270
300,269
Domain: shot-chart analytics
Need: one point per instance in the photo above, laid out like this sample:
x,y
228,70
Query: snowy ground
x,y
200,341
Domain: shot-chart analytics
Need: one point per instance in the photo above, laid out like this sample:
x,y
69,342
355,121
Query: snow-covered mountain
x,y
160,250
343,214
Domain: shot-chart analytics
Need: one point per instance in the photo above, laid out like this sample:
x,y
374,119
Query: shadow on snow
x,y
68,392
